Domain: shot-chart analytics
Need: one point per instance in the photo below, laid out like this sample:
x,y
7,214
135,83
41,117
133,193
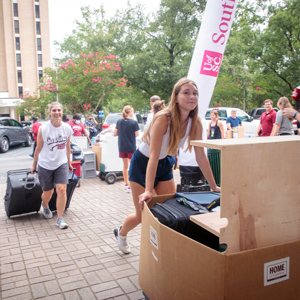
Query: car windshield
x,y
112,119
259,112
222,114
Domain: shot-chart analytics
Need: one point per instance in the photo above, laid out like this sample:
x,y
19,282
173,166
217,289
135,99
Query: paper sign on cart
x,y
153,237
277,271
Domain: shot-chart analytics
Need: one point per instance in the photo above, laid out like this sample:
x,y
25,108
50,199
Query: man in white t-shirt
x,y
151,114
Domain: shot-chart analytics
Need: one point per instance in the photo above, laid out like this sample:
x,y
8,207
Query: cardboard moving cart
x,y
259,223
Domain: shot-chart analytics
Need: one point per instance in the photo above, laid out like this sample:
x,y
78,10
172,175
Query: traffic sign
x,y
101,114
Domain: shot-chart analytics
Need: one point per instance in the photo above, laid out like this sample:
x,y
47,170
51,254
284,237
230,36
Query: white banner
x,y
208,54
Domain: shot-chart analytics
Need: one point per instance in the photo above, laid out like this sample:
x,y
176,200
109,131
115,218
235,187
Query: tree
x,y
82,82
154,52
35,105
269,40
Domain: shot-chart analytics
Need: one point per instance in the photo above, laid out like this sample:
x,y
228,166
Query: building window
x,y
39,44
18,43
19,76
18,60
40,63
40,75
16,14
38,28
20,91
37,11
17,30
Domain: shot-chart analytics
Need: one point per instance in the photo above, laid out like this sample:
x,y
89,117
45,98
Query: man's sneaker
x,y
31,155
122,241
60,222
128,189
47,212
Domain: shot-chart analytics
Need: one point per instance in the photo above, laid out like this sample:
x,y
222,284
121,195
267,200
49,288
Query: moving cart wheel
x,y
102,176
111,178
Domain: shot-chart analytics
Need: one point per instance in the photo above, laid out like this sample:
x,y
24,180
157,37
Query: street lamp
x,y
56,61
55,68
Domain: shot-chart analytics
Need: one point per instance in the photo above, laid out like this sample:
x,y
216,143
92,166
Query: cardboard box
x,y
97,151
173,266
228,134
261,230
241,133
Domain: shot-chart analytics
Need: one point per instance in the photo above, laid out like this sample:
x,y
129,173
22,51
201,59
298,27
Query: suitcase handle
x,y
74,170
26,179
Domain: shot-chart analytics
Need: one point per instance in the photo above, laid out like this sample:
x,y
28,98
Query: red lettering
x,y
219,38
224,26
229,18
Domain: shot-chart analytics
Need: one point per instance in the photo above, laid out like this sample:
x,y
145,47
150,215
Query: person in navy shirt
x,y
233,121
127,130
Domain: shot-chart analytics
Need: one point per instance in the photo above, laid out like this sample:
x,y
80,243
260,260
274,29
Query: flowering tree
x,y
82,82
35,105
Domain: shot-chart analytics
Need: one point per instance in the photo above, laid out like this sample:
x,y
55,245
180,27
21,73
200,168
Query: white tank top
x,y
54,151
145,149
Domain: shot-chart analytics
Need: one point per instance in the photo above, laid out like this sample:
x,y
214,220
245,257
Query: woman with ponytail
x,y
127,130
151,168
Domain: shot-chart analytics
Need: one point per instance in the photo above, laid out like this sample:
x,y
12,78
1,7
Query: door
x,y
17,131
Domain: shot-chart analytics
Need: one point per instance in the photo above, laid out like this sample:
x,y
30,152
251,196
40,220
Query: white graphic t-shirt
x,y
54,152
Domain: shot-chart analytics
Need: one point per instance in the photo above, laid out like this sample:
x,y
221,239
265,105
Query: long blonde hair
x,y
283,103
126,110
172,111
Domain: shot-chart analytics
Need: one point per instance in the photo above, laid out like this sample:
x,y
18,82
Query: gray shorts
x,y
47,178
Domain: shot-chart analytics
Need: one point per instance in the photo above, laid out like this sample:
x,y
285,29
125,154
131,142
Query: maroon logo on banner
x,y
211,63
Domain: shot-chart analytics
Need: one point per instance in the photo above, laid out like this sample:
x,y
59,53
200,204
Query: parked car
x,y
250,125
112,118
256,113
13,133
26,123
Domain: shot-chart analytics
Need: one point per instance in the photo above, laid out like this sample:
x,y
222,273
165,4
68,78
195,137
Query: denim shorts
x,y
47,178
138,168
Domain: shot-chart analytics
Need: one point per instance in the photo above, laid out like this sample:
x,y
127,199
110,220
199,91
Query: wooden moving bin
x,y
97,150
259,221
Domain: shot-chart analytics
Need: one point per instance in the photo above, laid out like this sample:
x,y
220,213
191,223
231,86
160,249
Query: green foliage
x,y
82,82
154,52
270,44
35,105
261,60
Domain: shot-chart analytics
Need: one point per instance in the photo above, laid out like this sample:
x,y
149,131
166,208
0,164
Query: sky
x,y
63,13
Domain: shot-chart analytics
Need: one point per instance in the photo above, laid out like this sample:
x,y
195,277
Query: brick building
x,y
24,50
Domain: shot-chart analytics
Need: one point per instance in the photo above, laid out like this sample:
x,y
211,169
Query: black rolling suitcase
x,y
176,215
23,193
73,180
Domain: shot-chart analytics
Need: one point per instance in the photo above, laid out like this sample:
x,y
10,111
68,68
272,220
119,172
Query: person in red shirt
x,y
34,129
267,119
78,128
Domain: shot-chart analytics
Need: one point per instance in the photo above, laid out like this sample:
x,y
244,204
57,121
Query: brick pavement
x,y
40,261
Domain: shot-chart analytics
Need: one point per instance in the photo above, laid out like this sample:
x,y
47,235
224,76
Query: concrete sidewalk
x,y
40,261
